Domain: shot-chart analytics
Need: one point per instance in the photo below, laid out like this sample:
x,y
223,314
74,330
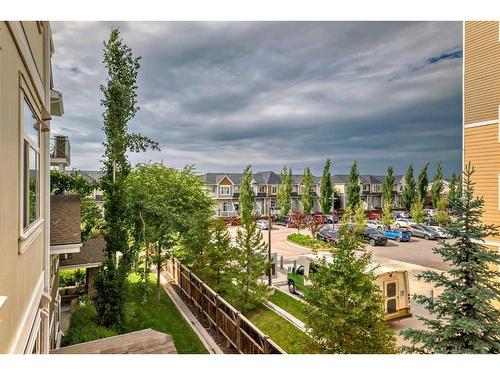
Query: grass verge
x,y
289,304
305,240
282,332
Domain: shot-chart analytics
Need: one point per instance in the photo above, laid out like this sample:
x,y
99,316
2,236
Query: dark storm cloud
x,y
224,94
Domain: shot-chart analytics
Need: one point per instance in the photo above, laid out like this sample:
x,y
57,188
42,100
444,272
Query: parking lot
x,y
415,257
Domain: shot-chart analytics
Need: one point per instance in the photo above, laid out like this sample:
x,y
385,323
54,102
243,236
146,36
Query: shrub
x,y
84,326
305,240
71,277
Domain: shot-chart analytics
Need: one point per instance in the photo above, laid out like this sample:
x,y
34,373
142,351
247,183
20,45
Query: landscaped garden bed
x,y
305,240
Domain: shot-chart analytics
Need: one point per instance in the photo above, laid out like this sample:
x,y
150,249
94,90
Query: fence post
x,y
238,332
281,262
267,347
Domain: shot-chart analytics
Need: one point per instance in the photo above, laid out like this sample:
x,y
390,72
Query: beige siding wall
x,y
19,272
482,71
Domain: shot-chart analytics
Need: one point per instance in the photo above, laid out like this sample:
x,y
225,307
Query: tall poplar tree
x,y
463,318
307,198
284,196
326,190
388,186
247,196
120,106
437,186
423,182
410,189
353,188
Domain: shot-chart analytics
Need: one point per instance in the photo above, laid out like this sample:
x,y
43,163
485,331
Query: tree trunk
x,y
158,269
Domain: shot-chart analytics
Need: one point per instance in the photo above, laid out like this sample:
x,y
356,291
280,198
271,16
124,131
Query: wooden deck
x,y
147,341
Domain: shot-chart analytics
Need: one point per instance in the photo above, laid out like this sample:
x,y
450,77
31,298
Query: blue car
x,y
398,235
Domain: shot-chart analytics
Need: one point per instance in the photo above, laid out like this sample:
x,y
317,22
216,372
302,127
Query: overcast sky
x,y
222,95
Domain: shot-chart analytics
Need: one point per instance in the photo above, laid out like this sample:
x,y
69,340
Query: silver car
x,y
374,224
423,231
262,224
442,233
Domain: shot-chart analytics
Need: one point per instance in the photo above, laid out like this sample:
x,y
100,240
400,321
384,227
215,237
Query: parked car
x,y
373,215
404,223
375,224
400,215
430,221
442,233
282,221
431,212
320,219
262,224
393,282
374,237
398,235
327,234
422,231
332,219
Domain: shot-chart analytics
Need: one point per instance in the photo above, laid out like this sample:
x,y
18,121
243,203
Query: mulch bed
x,y
219,339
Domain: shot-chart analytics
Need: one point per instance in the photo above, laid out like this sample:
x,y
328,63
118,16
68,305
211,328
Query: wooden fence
x,y
240,333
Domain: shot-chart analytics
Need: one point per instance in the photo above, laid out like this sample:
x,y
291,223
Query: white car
x,y
443,233
262,224
375,224
404,223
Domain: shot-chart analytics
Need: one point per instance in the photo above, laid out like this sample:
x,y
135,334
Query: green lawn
x,y
162,316
291,339
306,240
290,304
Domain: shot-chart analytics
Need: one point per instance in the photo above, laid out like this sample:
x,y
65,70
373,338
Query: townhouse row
x,y
224,188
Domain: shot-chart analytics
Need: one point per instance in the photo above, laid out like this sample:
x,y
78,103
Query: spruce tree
x,y
326,190
437,186
409,192
353,188
284,196
423,182
120,106
345,311
307,198
464,318
388,186
247,196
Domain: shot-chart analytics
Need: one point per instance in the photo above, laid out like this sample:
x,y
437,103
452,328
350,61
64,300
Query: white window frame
x,y
262,189
274,189
222,190
28,233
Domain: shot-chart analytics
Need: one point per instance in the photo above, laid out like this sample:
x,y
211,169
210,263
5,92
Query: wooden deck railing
x,y
240,333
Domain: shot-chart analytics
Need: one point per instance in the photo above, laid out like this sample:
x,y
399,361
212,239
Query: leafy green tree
x,y
326,189
452,194
423,182
442,216
410,190
120,106
353,188
250,265
464,318
284,196
247,196
91,219
221,257
307,198
174,209
387,216
345,311
437,186
388,186
417,211
75,183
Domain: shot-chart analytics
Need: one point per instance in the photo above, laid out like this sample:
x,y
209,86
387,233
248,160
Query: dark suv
x,y
328,235
374,237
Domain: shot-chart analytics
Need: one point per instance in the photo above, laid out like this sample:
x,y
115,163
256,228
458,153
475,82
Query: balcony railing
x,y
60,150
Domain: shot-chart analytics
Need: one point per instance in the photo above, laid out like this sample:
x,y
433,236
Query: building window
x,y
214,189
274,189
31,166
226,207
236,206
262,189
273,203
224,190
366,187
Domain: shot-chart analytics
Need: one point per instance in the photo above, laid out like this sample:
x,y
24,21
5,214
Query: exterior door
x,y
391,294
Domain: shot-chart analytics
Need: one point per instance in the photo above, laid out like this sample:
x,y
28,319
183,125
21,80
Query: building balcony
x,y
60,151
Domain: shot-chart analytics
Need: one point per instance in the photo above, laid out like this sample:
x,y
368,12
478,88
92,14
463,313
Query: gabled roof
x,y
92,252
91,176
65,219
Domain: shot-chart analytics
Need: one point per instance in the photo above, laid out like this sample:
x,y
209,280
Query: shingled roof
x,y
92,252
65,219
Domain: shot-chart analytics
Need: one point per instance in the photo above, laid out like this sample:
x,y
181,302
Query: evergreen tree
x,y
464,317
250,265
284,196
437,186
353,188
452,194
119,107
247,196
410,190
307,198
345,311
423,182
442,217
388,186
326,189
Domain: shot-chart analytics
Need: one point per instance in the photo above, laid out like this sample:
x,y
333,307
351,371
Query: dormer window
x,y
262,189
224,190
